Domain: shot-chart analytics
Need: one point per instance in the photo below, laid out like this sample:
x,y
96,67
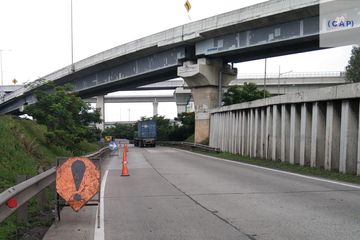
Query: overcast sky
x,y
35,36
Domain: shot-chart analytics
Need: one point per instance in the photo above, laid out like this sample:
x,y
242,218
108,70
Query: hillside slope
x,y
25,151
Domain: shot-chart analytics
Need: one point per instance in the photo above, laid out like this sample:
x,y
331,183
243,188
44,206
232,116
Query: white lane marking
x,y
99,233
279,171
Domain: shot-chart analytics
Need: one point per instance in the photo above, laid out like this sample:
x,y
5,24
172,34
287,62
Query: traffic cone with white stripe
x,y
124,172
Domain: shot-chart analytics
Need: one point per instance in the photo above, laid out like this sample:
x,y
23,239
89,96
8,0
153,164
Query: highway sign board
x,y
113,146
77,181
108,138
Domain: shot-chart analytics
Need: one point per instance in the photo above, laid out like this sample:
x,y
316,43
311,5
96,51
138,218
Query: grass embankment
x,y
305,170
24,151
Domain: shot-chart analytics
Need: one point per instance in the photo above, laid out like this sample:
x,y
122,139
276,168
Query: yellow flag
x,y
187,5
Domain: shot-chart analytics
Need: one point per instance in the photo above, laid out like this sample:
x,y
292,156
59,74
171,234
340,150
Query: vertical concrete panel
x,y
223,123
251,132
349,136
285,132
305,134
236,132
294,152
228,132
211,137
248,133
317,157
262,133
218,130
276,135
244,131
256,132
268,132
233,133
240,132
332,136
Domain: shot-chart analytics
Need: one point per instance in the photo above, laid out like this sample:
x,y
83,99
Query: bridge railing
x,y
26,190
317,128
339,74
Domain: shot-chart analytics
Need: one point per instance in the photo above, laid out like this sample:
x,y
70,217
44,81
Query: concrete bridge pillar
x,y
155,107
182,97
206,79
100,105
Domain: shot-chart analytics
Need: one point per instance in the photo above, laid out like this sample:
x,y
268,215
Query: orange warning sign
x,y
77,181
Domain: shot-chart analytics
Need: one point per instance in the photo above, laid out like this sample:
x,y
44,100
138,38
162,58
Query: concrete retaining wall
x,y
318,128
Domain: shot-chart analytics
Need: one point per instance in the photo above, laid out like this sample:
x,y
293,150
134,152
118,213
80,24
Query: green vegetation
x,y
353,68
318,172
121,131
246,93
69,120
25,150
166,131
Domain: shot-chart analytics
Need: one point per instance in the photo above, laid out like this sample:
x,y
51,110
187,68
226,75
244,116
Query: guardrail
x,y
192,145
26,190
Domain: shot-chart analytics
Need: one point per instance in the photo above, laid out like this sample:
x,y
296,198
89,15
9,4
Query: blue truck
x,y
146,134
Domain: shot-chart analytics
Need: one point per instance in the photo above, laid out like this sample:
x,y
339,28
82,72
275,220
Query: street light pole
x,y
1,65
1,69
72,38
265,78
279,82
279,78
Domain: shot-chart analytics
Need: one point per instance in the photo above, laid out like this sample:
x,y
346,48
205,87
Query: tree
x,y
163,126
352,73
247,92
69,119
125,131
181,133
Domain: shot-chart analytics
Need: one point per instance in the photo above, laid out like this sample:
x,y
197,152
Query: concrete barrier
x,y
317,128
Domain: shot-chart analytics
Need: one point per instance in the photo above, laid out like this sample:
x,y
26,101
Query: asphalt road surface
x,y
174,194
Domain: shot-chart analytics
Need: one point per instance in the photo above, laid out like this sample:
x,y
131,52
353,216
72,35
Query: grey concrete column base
x,y
205,98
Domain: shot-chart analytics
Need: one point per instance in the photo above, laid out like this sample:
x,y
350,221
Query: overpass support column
x,y
155,107
204,78
100,105
182,97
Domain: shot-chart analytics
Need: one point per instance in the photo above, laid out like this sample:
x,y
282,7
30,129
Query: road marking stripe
x,y
99,233
279,171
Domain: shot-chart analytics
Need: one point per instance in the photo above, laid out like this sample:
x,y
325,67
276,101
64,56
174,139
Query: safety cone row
x,y
124,171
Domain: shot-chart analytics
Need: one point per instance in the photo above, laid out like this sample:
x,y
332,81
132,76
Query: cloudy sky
x,y
35,38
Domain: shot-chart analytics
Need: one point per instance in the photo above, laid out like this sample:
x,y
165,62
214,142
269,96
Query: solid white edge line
x,y
99,233
278,171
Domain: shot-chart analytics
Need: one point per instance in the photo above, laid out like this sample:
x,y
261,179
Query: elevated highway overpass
x,y
199,52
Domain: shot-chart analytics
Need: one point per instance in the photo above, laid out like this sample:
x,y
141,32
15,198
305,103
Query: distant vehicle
x,y
146,134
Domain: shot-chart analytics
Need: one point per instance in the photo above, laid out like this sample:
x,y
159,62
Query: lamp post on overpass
x,y
280,73
72,38
1,66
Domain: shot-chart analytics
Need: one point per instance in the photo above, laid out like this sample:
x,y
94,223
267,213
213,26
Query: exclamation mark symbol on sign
x,y
78,170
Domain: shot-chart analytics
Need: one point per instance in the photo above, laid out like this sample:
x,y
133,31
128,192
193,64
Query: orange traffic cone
x,y
124,156
124,172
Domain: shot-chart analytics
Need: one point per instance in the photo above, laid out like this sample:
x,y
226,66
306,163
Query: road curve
x,y
174,194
